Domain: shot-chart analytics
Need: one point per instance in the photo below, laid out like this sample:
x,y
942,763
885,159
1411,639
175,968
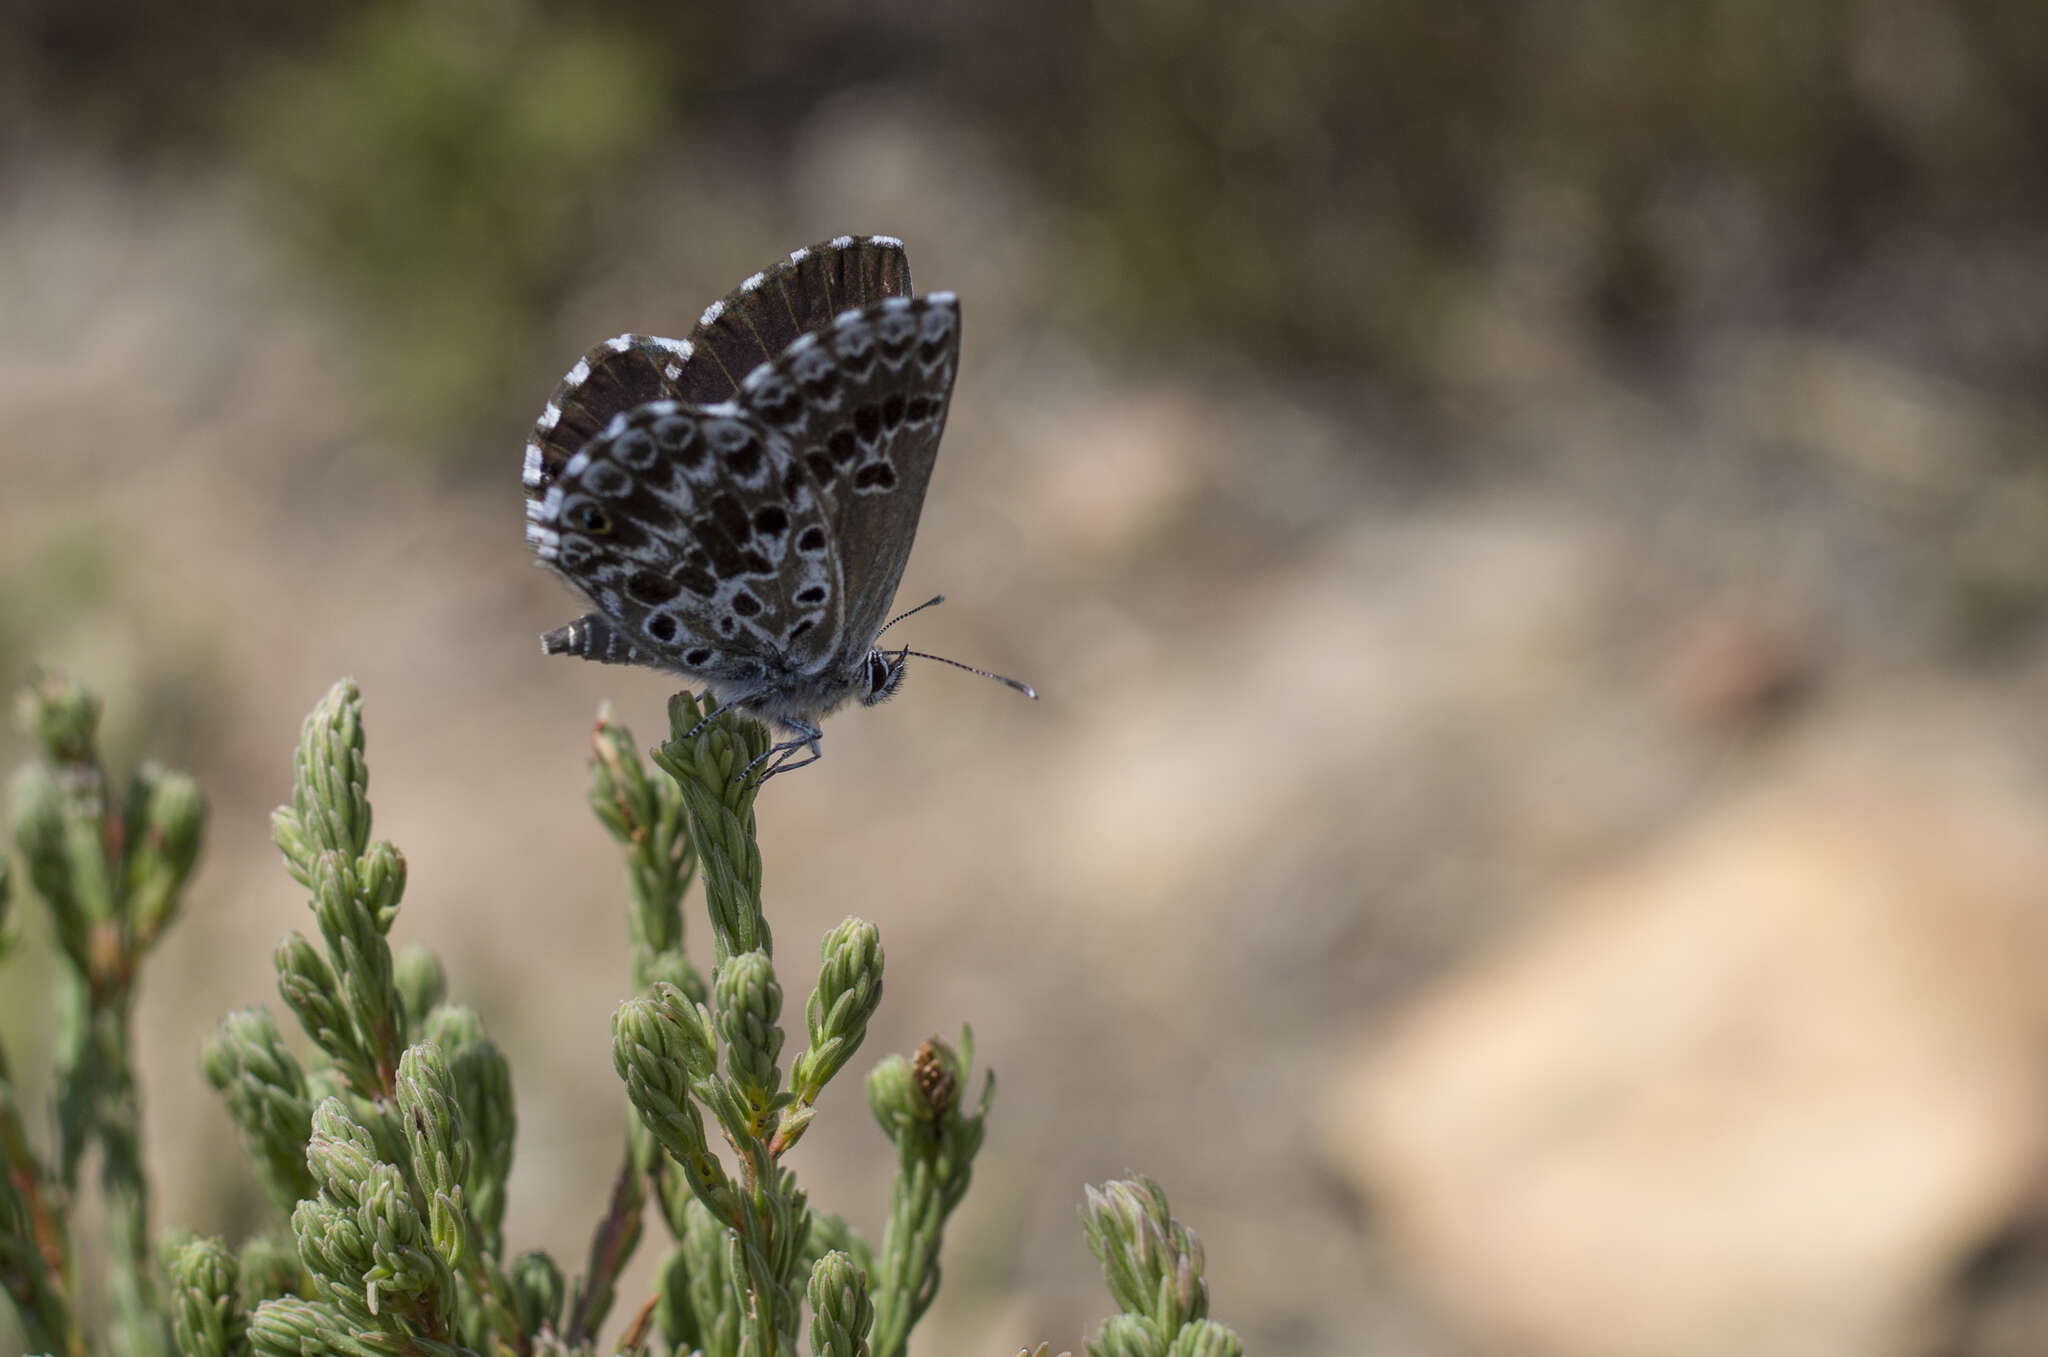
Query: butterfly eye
x,y
589,518
883,674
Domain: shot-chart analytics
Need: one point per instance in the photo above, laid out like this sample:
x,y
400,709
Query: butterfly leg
x,y
788,763
785,752
708,718
807,737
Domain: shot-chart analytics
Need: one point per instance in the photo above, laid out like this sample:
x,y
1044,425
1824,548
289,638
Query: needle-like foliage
x,y
386,1156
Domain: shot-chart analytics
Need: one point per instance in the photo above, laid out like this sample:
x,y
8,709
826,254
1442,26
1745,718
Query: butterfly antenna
x,y
932,602
1018,684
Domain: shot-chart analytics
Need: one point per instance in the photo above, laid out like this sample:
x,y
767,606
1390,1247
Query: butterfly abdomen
x,y
591,637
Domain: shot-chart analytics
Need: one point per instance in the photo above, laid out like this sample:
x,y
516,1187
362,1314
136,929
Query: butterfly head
x,y
883,673
881,676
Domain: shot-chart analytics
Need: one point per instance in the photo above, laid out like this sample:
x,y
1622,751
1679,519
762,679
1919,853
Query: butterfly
x,y
738,506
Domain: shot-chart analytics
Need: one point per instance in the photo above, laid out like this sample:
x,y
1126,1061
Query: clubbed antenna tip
x,y
1019,684
934,601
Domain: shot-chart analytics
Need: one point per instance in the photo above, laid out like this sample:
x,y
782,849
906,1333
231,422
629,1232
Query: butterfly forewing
x,y
753,322
761,317
863,403
694,533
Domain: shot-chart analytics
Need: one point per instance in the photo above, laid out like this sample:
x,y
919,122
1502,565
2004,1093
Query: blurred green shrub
x,y
1309,180
441,159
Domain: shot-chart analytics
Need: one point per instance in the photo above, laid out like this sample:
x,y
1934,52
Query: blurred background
x,y
1530,521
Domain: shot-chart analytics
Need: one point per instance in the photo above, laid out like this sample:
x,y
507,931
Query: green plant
x,y
389,1154
113,878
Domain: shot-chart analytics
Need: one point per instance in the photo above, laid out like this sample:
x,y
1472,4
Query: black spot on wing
x,y
651,588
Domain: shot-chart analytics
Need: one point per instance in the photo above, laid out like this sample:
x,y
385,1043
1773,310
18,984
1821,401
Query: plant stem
x,y
909,1257
32,1263
124,1186
611,1245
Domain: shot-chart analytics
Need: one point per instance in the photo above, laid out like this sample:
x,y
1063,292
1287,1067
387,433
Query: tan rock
x,y
1760,1092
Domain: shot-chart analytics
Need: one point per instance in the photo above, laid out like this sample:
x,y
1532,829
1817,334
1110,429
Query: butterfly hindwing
x,y
695,536
614,377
